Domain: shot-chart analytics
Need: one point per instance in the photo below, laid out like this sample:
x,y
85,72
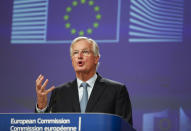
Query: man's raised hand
x,y
42,92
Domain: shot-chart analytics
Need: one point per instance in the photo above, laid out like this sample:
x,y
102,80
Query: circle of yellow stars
x,y
95,24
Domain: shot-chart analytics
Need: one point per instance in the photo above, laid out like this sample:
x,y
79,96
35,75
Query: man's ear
x,y
96,59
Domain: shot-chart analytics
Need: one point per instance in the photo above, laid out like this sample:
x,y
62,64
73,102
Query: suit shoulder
x,y
65,86
112,82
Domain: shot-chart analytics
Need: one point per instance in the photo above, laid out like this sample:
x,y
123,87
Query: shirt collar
x,y
90,82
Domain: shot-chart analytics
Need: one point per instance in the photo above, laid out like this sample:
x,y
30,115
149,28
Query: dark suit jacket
x,y
107,96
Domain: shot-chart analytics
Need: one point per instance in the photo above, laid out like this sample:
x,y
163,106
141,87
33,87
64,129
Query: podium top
x,y
63,122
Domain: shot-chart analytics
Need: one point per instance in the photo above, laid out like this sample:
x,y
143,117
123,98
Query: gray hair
x,y
95,47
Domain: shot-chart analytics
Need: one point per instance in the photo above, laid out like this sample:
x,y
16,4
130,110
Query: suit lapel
x,y
95,96
75,96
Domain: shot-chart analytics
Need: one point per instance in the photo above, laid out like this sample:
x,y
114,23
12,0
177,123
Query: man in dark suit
x,y
89,92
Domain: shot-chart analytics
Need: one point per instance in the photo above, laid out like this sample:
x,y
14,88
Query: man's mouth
x,y
80,63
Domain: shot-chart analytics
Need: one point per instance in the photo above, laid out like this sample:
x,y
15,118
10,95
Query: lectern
x,y
63,122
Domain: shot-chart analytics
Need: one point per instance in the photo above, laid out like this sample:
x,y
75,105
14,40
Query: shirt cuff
x,y
40,110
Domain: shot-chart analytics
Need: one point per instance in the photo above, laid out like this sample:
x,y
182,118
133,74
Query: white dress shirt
x,y
90,83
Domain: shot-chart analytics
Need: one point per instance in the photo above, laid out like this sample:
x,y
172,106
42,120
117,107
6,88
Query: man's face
x,y
83,59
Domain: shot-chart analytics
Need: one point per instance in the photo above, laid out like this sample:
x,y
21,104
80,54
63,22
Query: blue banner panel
x,y
62,122
60,21
156,21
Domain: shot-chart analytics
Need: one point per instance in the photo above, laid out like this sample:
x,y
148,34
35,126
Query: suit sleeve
x,y
123,105
52,102
48,108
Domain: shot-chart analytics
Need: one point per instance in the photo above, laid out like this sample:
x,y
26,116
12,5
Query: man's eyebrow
x,y
82,49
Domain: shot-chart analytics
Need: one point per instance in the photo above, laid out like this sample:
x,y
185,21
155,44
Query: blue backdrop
x,y
144,44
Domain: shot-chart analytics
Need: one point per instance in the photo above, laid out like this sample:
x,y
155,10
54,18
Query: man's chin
x,y
80,70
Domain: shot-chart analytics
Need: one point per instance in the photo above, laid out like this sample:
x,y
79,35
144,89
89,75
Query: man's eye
x,y
75,52
85,52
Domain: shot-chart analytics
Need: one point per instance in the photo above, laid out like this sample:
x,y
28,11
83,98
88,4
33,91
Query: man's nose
x,y
80,55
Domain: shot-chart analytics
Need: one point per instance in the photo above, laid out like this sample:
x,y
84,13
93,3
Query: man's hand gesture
x,y
42,92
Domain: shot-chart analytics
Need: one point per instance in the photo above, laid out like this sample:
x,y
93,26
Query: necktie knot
x,y
84,85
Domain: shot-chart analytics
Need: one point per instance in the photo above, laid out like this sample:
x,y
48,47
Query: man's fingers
x,y
39,76
41,88
50,89
44,85
39,81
